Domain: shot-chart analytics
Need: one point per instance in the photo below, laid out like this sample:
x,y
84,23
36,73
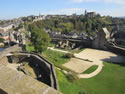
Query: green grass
x,y
55,57
91,69
67,87
29,47
52,45
111,80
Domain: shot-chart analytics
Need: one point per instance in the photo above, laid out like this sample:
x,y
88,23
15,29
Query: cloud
x,y
67,11
116,12
103,1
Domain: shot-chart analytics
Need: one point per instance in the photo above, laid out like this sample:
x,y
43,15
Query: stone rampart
x,y
9,49
46,67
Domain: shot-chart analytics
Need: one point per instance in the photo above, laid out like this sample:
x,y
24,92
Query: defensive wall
x,y
14,54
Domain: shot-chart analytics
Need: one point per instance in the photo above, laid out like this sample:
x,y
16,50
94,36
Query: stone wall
x,y
101,41
10,49
4,61
14,82
46,68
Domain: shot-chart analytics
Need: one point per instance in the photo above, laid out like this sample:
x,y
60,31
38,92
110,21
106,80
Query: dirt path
x,y
52,48
97,71
78,65
97,57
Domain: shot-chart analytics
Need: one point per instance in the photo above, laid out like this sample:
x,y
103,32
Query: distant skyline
x,y
17,8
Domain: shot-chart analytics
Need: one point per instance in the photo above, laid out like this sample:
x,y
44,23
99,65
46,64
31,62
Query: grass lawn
x,y
66,87
29,47
111,80
91,69
55,57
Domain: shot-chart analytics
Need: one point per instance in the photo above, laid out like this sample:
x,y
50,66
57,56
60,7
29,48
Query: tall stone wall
x,y
10,49
47,70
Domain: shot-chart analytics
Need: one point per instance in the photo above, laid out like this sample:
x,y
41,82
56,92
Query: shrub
x,y
82,92
69,55
1,40
72,77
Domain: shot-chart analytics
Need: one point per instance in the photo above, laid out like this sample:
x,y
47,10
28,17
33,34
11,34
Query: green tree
x,y
40,39
1,40
20,26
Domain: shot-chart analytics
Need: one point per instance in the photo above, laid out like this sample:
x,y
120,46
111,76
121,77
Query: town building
x,y
38,18
90,14
6,27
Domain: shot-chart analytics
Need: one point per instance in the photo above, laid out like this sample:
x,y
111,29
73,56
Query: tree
x,y
1,40
20,26
40,39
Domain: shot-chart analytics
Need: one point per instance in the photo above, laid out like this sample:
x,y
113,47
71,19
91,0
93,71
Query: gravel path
x,y
52,48
98,56
78,65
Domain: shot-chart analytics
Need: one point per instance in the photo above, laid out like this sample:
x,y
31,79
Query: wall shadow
x,y
120,60
3,92
41,71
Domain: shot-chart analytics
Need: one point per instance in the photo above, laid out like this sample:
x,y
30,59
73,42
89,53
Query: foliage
x,y
39,38
69,55
1,40
68,87
71,77
20,26
29,47
77,24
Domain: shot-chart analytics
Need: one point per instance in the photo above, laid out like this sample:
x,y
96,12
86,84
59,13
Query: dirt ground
x,y
96,57
78,65
99,55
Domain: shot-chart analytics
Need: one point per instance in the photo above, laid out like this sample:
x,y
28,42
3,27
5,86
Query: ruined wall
x,y
47,70
13,82
10,49
100,42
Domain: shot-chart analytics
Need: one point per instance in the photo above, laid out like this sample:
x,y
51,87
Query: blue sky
x,y
16,8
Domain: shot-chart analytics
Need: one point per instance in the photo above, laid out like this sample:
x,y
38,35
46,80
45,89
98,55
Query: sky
x,y
16,8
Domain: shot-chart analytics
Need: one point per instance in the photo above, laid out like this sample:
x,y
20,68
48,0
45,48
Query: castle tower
x,y
85,12
39,14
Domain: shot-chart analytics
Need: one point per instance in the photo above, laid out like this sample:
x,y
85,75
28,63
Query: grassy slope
x,y
29,47
67,87
110,81
91,69
55,57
